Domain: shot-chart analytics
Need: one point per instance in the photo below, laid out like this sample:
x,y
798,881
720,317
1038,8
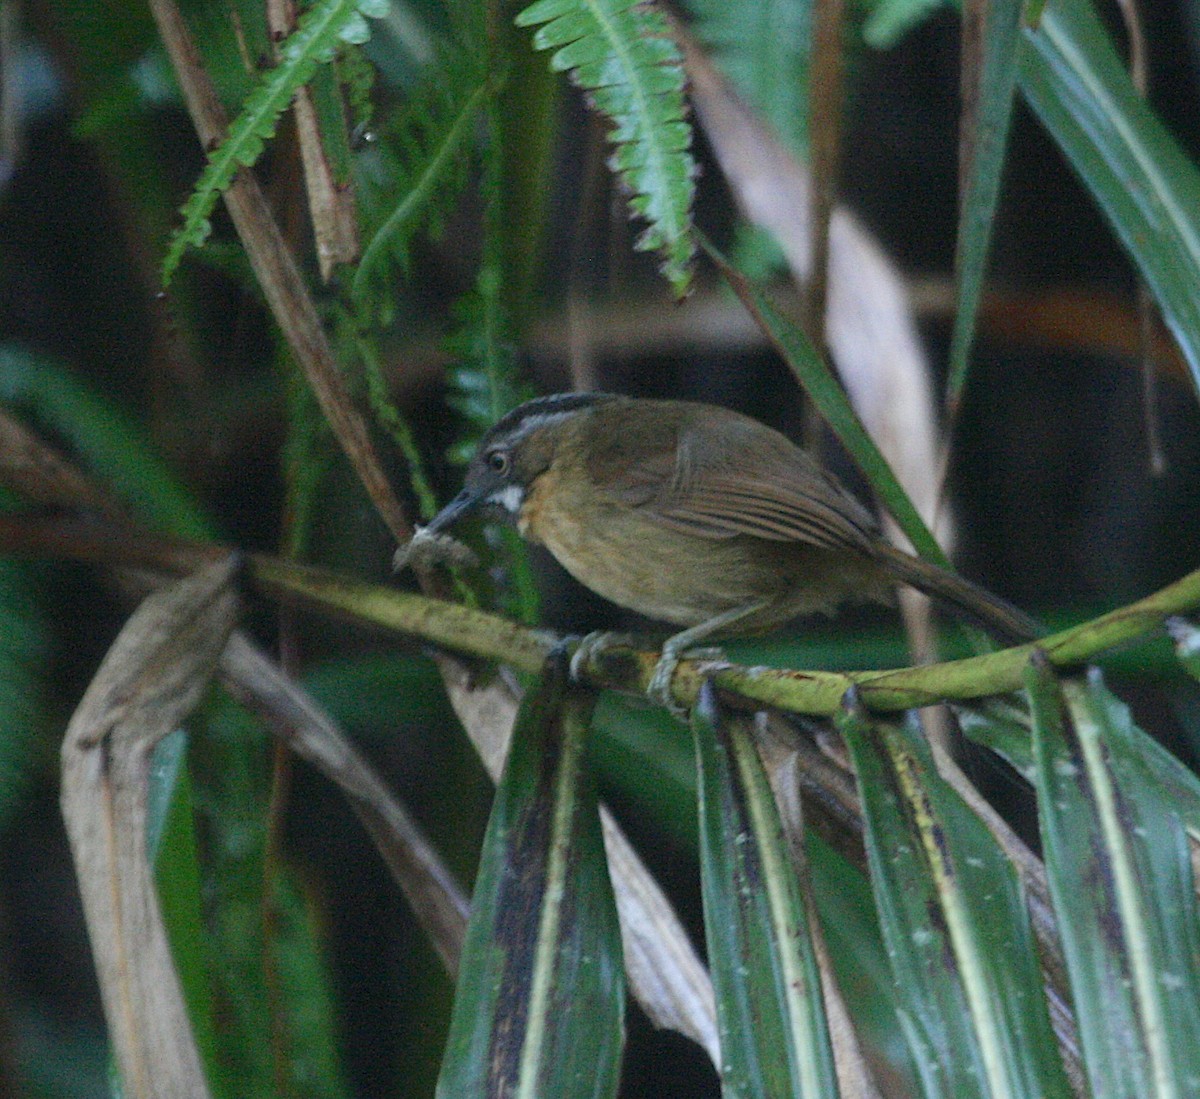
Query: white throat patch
x,y
510,497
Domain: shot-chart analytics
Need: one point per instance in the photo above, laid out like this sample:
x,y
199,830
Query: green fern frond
x,y
484,382
621,53
415,171
356,75
321,29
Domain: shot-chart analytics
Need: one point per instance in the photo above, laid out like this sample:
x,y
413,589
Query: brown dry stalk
x,y
277,272
153,676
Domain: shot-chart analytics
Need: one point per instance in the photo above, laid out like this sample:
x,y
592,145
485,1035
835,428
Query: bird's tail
x,y
961,596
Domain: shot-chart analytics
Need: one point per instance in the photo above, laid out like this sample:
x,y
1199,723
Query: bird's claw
x,y
591,645
658,690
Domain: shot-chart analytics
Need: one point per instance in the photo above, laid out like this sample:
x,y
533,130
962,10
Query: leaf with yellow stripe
x,y
541,990
953,917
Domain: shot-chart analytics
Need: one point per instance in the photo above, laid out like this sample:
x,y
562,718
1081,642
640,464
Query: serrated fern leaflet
x,y
621,53
319,32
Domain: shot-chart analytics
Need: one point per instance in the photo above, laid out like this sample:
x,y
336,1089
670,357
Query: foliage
x,y
762,49
464,170
991,45
264,942
23,652
620,52
540,1004
1140,177
1134,867
104,437
317,35
422,165
774,1031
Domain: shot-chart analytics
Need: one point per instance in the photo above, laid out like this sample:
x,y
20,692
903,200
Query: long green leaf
x,y
1137,173
647,755
258,969
317,35
763,48
527,126
108,441
774,1035
540,998
171,843
888,21
621,54
846,910
991,37
1120,877
1001,727
649,759
953,915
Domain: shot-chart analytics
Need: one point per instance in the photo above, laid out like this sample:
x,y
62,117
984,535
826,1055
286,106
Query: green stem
x,y
806,692
477,633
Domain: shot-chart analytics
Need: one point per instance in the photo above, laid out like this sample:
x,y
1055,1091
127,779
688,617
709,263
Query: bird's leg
x,y
681,645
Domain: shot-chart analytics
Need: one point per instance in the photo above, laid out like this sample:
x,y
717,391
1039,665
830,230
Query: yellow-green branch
x,y
478,633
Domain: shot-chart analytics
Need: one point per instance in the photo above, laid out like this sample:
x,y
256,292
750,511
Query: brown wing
x,y
778,513
728,475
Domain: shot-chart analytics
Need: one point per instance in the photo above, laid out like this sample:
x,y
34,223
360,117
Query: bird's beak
x,y
462,504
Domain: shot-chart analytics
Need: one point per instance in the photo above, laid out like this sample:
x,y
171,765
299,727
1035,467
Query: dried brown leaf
x,y
153,676
869,325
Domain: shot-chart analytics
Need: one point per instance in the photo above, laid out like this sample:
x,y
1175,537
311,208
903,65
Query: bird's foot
x,y
659,688
594,643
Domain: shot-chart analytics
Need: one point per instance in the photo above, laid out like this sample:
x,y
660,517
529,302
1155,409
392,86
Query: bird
x,y
695,516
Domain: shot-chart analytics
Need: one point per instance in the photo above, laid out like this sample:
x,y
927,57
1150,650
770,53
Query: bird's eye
x,y
498,461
